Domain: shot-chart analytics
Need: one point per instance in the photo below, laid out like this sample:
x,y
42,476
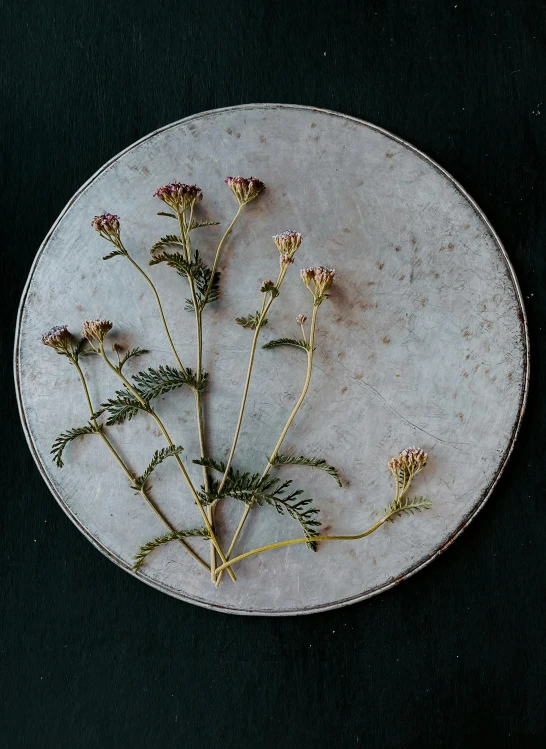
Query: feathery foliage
x,y
253,489
168,215
114,253
155,543
166,241
195,269
200,224
300,460
250,321
154,382
121,408
407,505
130,355
64,438
157,458
287,342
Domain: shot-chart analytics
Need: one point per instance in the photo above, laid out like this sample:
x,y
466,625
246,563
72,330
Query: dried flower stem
x,y
304,540
287,426
266,304
152,413
126,470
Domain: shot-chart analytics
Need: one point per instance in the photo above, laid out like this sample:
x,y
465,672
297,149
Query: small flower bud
x,y
307,275
107,226
286,260
318,280
245,189
409,462
96,330
288,242
301,319
179,196
268,285
60,339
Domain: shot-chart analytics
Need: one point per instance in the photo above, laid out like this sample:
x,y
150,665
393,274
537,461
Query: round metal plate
x,y
423,341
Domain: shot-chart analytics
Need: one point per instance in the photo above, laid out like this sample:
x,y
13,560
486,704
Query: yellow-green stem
x,y
293,541
283,433
179,462
126,470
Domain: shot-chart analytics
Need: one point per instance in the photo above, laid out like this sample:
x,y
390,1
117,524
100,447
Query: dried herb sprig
x,y
62,341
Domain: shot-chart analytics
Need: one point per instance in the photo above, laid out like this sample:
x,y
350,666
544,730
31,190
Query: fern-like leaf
x,y
200,224
168,215
64,438
253,489
407,505
216,465
157,458
166,241
287,342
121,408
154,382
300,460
155,543
206,291
250,321
130,355
114,253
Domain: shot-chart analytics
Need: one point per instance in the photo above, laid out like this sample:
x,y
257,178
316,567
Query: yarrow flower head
x,y
179,196
96,330
107,226
288,242
286,260
318,280
409,462
301,319
60,339
245,189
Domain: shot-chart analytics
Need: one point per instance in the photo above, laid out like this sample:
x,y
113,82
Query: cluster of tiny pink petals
x,y
322,278
96,329
59,338
288,242
108,223
245,189
412,459
178,195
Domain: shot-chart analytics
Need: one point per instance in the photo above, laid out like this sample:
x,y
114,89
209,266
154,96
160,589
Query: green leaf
x,y
158,457
169,215
211,463
131,354
114,253
154,382
155,543
200,224
407,505
197,271
253,489
170,239
63,439
300,460
251,321
121,408
287,342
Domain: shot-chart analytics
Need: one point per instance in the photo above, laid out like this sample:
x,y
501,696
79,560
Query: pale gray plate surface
x,y
423,342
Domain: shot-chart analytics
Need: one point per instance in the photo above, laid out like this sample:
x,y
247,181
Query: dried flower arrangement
x,y
137,393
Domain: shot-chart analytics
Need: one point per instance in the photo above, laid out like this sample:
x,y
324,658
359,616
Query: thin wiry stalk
x,y
146,407
283,433
126,470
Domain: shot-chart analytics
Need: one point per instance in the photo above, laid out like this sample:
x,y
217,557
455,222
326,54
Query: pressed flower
x,y
96,330
107,226
178,195
245,189
60,339
288,242
301,319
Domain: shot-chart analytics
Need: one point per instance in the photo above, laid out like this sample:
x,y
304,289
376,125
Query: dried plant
x,y
137,393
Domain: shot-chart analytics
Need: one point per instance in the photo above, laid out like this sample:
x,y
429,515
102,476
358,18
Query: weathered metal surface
x,y
423,342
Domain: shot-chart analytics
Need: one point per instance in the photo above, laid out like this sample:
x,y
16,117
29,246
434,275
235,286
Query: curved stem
x,y
127,472
160,308
283,433
150,411
265,308
293,541
219,251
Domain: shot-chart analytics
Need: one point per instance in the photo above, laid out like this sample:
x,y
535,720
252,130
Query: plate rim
x,y
196,600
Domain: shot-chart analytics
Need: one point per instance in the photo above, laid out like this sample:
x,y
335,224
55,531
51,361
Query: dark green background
x,y
454,657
